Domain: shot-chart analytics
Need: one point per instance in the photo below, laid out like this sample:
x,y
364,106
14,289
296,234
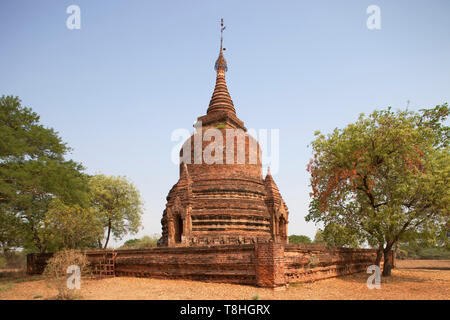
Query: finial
x,y
268,171
221,62
222,28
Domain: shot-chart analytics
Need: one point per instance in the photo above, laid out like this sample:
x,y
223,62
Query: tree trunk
x,y
108,235
379,255
387,267
394,255
6,252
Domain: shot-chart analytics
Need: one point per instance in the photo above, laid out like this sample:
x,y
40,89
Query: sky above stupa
x,y
135,71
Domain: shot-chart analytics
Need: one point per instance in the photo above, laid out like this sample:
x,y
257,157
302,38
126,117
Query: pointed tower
x,y
221,108
176,220
278,210
225,201
221,100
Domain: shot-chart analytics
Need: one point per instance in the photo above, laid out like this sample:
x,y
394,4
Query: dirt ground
x,y
412,279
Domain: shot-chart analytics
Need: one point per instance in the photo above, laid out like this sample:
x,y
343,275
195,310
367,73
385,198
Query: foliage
x,y
11,232
312,262
295,239
73,227
423,250
33,171
56,271
144,242
337,235
318,237
118,204
385,176
13,259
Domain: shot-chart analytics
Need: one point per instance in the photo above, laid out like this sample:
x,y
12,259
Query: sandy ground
x,y
412,279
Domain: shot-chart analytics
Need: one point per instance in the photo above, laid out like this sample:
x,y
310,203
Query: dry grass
x,y
412,279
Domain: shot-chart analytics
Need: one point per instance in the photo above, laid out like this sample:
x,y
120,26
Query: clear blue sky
x,y
116,89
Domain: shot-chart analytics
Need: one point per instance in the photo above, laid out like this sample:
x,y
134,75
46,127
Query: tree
x,y
118,204
384,176
318,237
10,232
295,239
72,226
33,172
144,242
337,235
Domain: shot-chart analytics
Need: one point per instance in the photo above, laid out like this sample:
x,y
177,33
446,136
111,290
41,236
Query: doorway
x,y
178,229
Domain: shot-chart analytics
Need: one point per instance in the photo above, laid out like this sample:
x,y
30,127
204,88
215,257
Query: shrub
x,y
296,239
142,243
312,263
402,254
56,271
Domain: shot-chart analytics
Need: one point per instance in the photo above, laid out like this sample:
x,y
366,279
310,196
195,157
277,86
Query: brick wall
x,y
231,264
304,263
269,264
263,264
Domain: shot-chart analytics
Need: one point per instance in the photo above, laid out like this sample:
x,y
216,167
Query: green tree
x,y
337,235
73,227
118,205
385,175
144,242
33,171
11,233
318,237
295,239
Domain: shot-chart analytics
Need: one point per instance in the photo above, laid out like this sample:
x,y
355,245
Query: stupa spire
x,y
221,99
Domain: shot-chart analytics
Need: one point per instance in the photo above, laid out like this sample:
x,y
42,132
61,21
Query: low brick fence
x,y
307,263
262,264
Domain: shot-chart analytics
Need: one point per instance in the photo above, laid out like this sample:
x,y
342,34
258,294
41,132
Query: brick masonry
x,y
271,265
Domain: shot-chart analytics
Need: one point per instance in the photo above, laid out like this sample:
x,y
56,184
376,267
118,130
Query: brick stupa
x,y
223,203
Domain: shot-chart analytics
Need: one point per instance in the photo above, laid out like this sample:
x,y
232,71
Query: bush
x,y
142,243
415,251
13,260
295,239
56,271
402,254
434,253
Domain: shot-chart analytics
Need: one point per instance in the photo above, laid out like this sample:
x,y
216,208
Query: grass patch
x,y
255,297
6,287
38,296
8,283
312,263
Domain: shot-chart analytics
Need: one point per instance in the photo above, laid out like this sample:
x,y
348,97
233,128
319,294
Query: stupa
x,y
225,201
